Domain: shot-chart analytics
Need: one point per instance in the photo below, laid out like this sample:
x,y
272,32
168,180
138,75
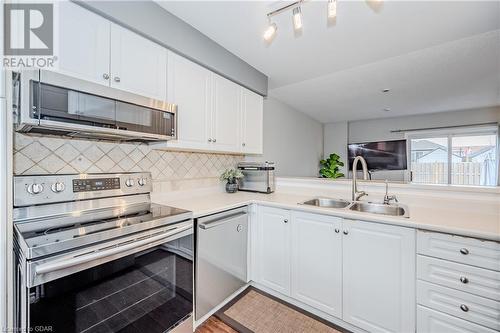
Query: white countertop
x,y
470,215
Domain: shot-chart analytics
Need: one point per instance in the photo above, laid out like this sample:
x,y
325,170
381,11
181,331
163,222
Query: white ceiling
x,y
434,56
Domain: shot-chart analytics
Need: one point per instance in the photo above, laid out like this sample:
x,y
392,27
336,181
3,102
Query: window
x,y
459,157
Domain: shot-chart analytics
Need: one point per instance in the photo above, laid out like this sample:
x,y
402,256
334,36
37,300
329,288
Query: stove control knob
x,y
35,188
142,181
129,182
58,187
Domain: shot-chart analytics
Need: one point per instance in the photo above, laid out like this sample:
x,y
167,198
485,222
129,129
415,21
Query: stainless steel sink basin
x,y
327,203
375,208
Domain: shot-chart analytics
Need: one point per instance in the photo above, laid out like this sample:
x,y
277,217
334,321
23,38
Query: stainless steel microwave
x,y
53,103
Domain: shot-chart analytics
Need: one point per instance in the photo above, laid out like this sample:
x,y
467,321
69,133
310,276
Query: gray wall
x,y
336,141
152,21
337,135
292,140
380,129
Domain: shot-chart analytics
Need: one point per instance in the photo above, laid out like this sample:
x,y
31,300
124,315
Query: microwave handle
x,y
56,266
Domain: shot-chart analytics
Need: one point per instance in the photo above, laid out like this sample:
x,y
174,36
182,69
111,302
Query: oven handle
x,y
56,266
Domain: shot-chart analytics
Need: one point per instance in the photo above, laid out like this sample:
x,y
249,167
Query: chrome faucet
x,y
388,198
356,195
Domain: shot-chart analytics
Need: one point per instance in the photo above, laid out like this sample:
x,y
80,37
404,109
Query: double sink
x,y
358,206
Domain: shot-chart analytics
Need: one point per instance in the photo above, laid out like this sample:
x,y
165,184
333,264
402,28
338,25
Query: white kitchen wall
x,y
292,140
35,154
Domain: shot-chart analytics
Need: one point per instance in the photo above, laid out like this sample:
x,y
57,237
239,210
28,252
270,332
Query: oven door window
x,y
151,291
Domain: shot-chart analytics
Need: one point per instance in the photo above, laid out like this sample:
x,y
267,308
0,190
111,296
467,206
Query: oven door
x,y
139,285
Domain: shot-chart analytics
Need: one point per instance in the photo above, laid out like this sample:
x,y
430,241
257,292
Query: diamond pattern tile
x,y
46,154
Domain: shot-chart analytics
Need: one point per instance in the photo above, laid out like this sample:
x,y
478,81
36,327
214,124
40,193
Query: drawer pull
x,y
464,308
463,279
464,251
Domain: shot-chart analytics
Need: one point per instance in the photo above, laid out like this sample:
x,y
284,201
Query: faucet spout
x,y
356,195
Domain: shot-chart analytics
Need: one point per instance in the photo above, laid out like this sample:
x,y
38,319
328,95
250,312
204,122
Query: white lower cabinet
x,y
431,321
317,261
378,276
360,272
272,249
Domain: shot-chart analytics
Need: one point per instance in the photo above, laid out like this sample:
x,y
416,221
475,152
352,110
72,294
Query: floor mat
x,y
256,312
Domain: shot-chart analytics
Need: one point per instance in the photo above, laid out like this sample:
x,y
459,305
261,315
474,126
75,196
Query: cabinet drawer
x,y
431,321
474,280
473,308
470,251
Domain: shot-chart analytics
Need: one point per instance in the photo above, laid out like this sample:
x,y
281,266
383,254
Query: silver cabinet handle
x,y
464,251
105,76
346,232
463,279
117,79
337,230
58,265
285,220
214,140
464,308
243,144
209,140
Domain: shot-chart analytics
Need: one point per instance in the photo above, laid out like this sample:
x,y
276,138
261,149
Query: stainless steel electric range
x,y
93,254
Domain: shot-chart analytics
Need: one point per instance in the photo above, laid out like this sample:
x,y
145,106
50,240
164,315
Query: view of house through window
x,y
459,159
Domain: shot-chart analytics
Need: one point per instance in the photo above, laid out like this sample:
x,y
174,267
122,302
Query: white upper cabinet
x,y
84,41
226,115
137,64
252,111
272,249
189,86
379,276
317,261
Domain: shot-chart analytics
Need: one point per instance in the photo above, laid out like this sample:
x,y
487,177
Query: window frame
x,y
450,133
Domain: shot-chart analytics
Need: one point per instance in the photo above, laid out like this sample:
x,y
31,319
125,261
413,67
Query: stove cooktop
x,y
62,232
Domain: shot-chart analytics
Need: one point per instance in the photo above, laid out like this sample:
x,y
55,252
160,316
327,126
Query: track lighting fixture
x,y
296,8
297,18
332,9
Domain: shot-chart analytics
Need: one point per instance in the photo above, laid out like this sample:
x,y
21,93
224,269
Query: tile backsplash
x,y
34,154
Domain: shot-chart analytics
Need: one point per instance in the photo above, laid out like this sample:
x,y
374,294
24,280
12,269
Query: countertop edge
x,y
353,215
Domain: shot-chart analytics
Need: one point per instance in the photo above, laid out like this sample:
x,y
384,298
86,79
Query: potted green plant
x,y
331,166
231,176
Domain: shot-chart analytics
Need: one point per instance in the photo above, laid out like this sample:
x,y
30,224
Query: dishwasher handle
x,y
215,223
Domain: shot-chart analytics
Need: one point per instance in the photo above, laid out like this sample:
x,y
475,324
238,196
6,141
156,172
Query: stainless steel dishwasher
x,y
221,258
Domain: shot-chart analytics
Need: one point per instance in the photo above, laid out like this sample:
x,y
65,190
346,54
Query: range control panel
x,y
43,189
84,185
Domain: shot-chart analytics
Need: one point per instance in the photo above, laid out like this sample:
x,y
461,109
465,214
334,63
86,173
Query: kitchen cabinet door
x,y
317,261
84,44
137,64
252,122
189,86
378,276
226,115
272,248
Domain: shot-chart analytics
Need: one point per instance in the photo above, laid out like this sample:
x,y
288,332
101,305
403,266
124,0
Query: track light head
x,y
297,18
332,9
270,31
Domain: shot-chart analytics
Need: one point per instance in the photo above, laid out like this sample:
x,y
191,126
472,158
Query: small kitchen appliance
x,y
258,177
